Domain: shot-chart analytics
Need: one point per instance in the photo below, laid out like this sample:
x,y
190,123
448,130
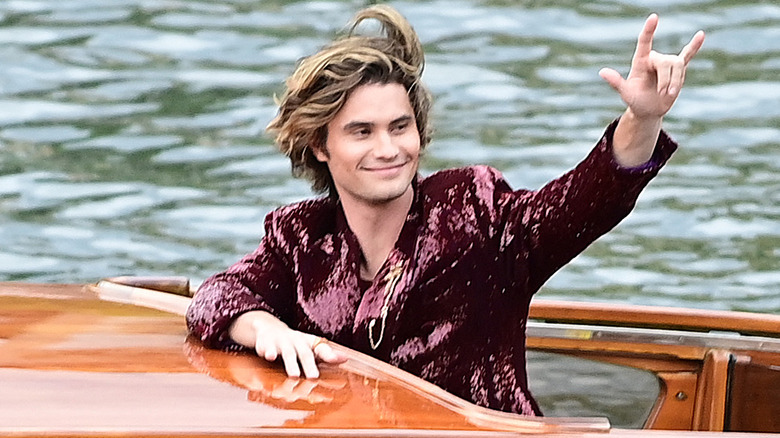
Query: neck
x,y
377,227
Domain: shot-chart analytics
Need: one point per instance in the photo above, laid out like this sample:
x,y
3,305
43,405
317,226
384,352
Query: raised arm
x,y
650,90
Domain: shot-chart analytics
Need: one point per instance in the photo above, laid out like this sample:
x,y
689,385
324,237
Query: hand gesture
x,y
655,79
271,339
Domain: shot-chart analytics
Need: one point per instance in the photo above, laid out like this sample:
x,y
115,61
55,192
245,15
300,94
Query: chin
x,y
384,198
387,196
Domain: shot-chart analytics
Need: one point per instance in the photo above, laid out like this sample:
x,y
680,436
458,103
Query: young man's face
x,y
373,147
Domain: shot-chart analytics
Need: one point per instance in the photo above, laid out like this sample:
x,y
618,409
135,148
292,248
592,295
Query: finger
x,y
612,77
326,353
290,359
692,48
644,43
677,76
306,358
265,344
268,348
663,73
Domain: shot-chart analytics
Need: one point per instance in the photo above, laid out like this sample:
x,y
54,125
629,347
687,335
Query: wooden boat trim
x,y
371,367
174,284
329,433
690,351
666,341
695,368
126,294
477,415
568,311
656,316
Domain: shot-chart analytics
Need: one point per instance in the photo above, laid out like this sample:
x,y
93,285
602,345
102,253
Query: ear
x,y
320,153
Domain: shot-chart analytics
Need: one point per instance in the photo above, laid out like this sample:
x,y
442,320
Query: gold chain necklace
x,y
391,278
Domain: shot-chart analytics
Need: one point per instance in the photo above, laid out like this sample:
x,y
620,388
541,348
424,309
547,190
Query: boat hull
x,y
114,359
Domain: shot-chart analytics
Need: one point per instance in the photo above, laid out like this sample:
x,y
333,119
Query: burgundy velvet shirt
x,y
472,252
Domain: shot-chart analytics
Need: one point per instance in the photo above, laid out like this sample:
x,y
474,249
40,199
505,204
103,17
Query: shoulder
x,y
476,182
302,220
467,195
304,210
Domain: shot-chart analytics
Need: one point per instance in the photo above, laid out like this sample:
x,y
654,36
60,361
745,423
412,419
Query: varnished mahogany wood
x,y
174,285
711,392
701,369
675,406
114,360
754,396
656,316
117,359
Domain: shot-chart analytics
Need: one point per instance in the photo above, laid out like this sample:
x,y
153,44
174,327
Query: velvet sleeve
x,y
557,222
259,281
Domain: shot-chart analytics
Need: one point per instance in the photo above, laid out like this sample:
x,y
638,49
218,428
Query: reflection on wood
x,y
336,399
82,333
754,395
67,339
76,332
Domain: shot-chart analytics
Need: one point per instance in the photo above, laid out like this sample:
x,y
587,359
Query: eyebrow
x,y
402,119
361,124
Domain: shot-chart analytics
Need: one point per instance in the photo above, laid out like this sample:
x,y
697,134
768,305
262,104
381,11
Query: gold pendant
x,y
391,278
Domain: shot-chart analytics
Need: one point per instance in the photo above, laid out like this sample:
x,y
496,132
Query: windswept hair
x,y
322,83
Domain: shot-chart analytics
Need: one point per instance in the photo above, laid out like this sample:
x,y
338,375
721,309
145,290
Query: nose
x,y
385,147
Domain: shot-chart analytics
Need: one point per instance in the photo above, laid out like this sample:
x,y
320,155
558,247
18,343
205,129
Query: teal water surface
x,y
132,136
132,133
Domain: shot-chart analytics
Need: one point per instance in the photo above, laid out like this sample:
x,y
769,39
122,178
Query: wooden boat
x,y
113,359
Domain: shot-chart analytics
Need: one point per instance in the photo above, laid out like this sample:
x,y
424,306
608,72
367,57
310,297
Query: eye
x,y
362,132
400,127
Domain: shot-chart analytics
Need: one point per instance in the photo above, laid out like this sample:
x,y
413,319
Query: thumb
x,y
330,355
612,77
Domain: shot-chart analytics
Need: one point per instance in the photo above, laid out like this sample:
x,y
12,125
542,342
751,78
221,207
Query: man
x,y
434,275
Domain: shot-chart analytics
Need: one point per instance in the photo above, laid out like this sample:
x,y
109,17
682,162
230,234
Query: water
x,y
132,134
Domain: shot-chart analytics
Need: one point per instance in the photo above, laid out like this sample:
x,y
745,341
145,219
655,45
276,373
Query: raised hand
x,y
655,79
650,90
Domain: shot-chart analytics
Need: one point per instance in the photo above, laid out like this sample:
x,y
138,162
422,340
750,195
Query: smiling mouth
x,y
386,168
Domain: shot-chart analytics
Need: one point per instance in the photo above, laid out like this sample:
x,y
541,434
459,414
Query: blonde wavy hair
x,y
322,83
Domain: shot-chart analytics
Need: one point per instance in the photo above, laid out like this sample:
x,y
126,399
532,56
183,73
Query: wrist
x,y
647,120
634,138
245,327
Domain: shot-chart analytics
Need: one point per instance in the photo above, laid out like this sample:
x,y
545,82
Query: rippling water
x,y
132,133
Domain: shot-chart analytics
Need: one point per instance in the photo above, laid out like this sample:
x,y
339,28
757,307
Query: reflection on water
x,y
570,386
131,133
